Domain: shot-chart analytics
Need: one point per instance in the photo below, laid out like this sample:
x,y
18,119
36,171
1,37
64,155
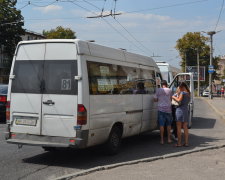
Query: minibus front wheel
x,y
114,141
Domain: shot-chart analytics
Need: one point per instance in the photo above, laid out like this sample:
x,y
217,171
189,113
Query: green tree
x,y
11,22
188,46
59,33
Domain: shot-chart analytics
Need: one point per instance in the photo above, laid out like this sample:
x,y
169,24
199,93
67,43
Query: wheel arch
x,y
119,125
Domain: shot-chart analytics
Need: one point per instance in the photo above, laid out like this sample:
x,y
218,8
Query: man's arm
x,y
179,98
156,96
155,99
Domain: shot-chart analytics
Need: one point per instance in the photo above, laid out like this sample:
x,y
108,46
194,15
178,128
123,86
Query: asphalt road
x,y
34,163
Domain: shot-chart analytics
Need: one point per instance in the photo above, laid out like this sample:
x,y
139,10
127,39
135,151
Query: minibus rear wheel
x,y
114,141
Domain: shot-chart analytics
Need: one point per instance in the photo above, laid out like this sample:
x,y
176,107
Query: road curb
x,y
222,115
107,167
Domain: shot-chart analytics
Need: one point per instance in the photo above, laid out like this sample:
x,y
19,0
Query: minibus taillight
x,y
8,111
81,115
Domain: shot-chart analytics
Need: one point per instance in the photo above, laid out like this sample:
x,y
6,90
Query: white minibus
x,y
168,72
73,93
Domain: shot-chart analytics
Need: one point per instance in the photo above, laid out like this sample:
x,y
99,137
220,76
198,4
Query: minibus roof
x,y
96,50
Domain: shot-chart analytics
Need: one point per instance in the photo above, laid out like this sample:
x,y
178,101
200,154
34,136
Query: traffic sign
x,y
211,69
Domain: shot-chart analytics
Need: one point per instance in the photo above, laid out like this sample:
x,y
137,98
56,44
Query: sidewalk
x,y
205,165
196,163
218,105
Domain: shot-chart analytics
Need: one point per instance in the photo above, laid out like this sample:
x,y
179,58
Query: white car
x,y
205,93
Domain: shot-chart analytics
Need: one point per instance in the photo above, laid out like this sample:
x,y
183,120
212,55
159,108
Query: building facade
x,y
5,62
30,35
221,70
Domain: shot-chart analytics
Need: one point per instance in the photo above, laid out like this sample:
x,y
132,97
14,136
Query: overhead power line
x,y
115,7
11,23
130,34
28,3
105,15
219,15
47,19
133,36
110,26
34,4
168,6
91,4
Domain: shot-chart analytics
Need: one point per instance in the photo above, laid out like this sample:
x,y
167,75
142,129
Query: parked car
x,y
3,100
205,93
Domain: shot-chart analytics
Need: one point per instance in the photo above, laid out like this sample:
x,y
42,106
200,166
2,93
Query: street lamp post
x,y
211,33
198,72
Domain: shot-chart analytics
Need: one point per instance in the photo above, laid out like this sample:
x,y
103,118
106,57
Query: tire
x,y
50,149
114,141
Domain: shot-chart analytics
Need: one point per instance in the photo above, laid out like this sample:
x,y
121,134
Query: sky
x,y
147,27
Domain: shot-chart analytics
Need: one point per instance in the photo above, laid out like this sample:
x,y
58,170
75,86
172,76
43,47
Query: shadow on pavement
x,y
134,148
203,123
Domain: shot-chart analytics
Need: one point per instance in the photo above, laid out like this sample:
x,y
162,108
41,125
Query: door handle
x,y
49,102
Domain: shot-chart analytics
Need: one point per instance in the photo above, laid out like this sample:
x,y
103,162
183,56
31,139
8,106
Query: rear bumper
x,y
50,141
36,143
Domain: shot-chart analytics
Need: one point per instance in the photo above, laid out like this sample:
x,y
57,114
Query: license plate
x,y
27,122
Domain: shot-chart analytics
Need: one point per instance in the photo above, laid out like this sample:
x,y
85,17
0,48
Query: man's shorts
x,y
164,119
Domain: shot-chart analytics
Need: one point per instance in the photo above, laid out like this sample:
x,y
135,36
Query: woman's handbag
x,y
175,103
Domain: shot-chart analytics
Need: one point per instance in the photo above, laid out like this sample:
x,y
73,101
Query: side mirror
x,y
77,78
12,77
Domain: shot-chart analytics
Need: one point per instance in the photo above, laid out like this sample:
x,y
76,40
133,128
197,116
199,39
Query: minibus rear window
x,y
28,76
59,77
45,77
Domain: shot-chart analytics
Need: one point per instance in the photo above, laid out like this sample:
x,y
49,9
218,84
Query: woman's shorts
x,y
182,115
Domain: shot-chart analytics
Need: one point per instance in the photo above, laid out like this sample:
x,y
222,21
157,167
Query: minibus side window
x,y
158,80
112,79
149,81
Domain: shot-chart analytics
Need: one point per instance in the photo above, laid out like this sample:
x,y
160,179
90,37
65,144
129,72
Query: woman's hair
x,y
178,90
184,85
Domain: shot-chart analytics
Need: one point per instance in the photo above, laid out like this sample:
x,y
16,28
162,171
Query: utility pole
x,y
185,63
155,55
211,33
184,53
198,72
